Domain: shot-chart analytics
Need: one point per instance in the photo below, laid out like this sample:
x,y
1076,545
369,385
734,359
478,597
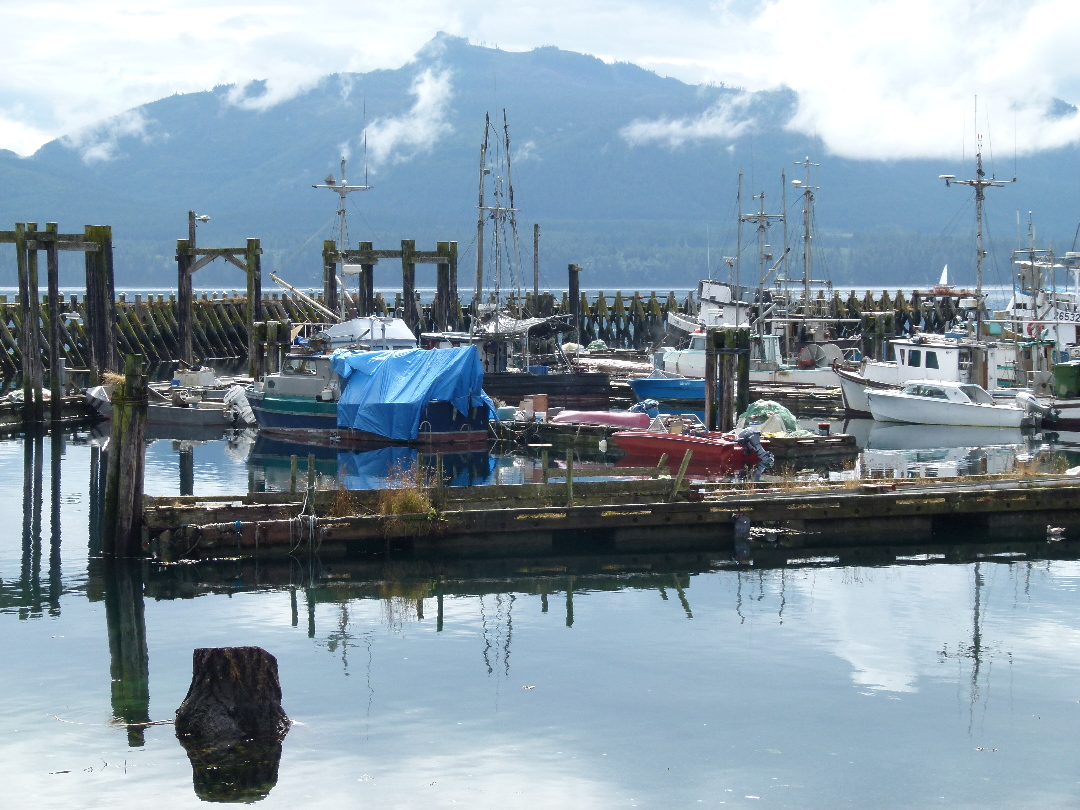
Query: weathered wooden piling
x,y
574,295
123,505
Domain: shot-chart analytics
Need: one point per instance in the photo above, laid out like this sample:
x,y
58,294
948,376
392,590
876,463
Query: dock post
x,y
183,300
329,275
569,477
574,296
710,379
32,328
439,493
441,308
682,472
725,383
100,299
408,285
292,473
26,349
367,284
311,482
536,260
453,303
122,513
570,603
187,469
439,615
56,355
253,262
742,374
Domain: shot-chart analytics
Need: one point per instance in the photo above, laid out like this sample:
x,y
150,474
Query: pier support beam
x,y
184,298
367,283
56,344
330,285
574,294
253,267
123,507
411,315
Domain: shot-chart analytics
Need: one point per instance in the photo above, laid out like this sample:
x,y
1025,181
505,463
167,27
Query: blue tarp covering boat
x,y
386,392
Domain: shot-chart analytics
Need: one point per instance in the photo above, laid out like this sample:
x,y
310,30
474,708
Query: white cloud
x,y
391,140
725,120
875,78
100,143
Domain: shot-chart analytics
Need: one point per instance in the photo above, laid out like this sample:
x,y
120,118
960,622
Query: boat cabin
x,y
963,393
304,375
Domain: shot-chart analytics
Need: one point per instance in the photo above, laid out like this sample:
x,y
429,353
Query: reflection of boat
x,y
894,436
365,469
936,402
412,396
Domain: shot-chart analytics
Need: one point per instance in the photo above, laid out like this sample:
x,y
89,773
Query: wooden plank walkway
x,y
636,516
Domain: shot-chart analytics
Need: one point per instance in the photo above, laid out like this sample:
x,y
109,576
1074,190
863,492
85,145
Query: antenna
x,y
365,141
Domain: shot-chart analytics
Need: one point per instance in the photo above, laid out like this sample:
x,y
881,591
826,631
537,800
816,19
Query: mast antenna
x,y
343,190
980,184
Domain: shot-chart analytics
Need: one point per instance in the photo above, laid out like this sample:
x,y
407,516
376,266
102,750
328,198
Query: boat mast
x,y
763,221
513,211
342,189
980,184
808,218
480,227
738,251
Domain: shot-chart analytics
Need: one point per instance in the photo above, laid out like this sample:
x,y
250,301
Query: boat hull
x,y
313,422
671,390
894,406
626,420
713,451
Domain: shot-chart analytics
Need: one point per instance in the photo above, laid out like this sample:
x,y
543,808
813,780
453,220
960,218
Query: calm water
x,y
652,683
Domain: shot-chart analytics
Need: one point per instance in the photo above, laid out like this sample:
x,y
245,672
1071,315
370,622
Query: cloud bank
x,y
391,140
725,120
875,78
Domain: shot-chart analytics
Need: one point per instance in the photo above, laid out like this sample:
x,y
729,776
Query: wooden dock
x,y
642,516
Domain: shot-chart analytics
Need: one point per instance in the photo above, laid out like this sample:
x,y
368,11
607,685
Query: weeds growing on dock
x,y
407,491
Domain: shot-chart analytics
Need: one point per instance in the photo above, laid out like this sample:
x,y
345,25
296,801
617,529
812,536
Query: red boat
x,y
713,451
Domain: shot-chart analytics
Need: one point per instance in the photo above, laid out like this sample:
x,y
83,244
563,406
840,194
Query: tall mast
x,y
480,218
980,184
808,218
738,250
762,221
513,211
343,190
783,210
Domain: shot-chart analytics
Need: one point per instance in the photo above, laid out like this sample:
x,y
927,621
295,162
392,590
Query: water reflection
x,y
121,582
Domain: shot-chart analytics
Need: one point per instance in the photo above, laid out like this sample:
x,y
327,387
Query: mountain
x,y
629,174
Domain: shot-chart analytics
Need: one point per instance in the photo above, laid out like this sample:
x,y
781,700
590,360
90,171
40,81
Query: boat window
x,y
697,343
915,358
931,360
298,365
932,391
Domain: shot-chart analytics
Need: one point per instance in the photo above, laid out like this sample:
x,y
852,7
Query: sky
x,y
877,79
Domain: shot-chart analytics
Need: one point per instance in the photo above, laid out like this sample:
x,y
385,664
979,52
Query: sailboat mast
x,y
513,211
738,251
480,213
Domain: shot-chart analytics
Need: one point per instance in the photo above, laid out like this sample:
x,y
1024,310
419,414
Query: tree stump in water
x,y
234,696
231,723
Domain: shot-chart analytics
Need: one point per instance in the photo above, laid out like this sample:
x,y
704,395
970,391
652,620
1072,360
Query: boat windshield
x,y
977,394
918,390
300,365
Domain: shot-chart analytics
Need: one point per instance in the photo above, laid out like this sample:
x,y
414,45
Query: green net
x,y
761,410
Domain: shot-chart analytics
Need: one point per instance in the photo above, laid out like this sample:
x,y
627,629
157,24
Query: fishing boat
x,y
712,451
414,396
182,408
939,402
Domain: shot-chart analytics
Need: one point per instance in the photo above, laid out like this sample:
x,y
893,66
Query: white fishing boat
x,y
939,402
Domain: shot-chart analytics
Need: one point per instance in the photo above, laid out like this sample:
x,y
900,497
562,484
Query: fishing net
x,y
760,411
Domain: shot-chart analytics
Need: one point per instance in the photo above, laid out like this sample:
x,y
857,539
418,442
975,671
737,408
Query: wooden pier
x,y
646,516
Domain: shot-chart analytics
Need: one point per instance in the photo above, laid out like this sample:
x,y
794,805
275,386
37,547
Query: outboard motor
x,y
750,438
1030,404
649,406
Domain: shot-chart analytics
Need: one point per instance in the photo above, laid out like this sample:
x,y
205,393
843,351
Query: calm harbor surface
x,y
912,685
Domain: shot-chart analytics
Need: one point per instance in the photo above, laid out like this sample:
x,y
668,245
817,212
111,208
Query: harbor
x,y
628,466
